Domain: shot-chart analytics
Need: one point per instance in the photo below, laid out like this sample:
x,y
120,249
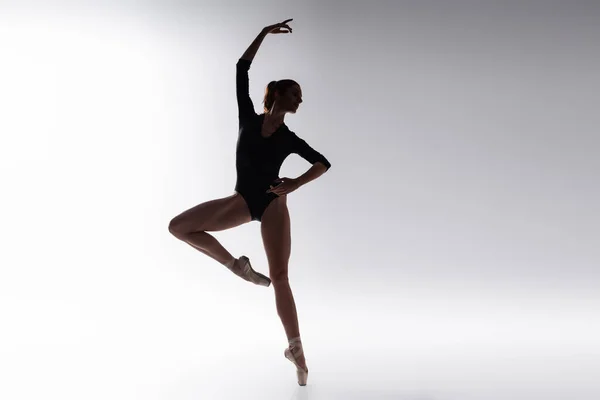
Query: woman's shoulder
x,y
251,122
291,133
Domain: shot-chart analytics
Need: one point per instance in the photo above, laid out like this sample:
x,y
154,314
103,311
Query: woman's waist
x,y
251,181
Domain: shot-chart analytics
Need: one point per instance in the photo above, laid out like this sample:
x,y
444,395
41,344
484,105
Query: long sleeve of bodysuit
x,y
304,150
245,105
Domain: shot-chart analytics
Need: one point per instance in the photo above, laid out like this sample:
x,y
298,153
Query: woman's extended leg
x,y
216,215
275,230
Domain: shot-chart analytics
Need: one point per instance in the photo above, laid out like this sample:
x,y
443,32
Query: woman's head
x,y
287,92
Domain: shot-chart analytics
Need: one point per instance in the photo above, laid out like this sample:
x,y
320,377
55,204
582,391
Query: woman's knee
x,y
174,227
178,227
278,276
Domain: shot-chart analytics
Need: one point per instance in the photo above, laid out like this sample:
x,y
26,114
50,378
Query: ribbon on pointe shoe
x,y
301,373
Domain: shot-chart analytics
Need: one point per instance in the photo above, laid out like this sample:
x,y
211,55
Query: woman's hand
x,y
287,185
281,27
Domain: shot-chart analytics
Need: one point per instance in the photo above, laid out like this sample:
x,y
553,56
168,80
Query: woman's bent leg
x,y
192,225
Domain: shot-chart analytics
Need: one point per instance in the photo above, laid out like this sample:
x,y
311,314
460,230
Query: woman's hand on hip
x,y
286,186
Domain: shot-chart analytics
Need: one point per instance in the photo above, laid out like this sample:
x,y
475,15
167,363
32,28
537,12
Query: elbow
x,y
325,163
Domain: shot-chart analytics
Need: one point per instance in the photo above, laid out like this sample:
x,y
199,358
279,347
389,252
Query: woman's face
x,y
292,98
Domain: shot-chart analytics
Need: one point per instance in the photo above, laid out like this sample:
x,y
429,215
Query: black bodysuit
x,y
258,159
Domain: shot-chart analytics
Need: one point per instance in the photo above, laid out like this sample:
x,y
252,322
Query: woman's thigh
x,y
276,235
214,215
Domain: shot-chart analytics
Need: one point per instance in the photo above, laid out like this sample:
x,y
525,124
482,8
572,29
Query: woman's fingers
x,y
277,190
285,23
283,29
277,28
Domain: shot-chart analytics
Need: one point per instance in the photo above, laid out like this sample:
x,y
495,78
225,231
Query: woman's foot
x,y
242,268
295,354
299,356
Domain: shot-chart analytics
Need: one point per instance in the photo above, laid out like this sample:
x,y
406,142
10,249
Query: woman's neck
x,y
274,116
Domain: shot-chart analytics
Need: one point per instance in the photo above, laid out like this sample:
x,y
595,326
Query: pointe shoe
x,y
302,374
247,273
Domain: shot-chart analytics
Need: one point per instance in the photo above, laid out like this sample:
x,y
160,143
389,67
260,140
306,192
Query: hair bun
x,y
280,86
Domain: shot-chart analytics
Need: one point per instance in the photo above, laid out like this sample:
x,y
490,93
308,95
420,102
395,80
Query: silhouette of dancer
x,y
264,141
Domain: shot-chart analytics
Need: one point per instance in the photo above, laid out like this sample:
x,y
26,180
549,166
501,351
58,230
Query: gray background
x,y
451,252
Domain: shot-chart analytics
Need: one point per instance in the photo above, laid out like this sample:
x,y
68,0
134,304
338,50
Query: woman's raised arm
x,y
281,27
